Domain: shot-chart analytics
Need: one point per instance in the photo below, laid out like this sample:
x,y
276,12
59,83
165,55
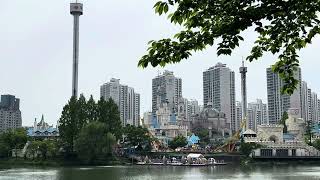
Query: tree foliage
x,y
316,144
12,139
247,148
283,28
42,149
70,124
94,142
137,136
178,141
203,134
79,112
283,122
109,114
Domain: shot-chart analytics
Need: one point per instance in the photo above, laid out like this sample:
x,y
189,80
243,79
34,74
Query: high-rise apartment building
x,y
310,104
257,114
194,107
126,98
279,103
318,111
10,114
314,109
219,90
166,88
305,98
238,115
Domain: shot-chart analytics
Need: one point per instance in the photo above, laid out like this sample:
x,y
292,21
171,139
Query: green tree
x,y
53,148
92,111
178,141
33,148
316,144
135,136
283,122
108,114
70,125
83,117
203,134
94,142
4,150
12,139
43,148
247,148
283,28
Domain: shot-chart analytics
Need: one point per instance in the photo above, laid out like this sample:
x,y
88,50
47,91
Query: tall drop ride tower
x,y
243,72
76,9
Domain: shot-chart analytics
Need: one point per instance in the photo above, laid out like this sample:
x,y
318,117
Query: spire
x,y
42,118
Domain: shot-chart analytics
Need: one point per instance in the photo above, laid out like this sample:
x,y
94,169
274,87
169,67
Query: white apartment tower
x,y
166,88
10,114
219,90
305,98
279,103
238,115
314,108
126,98
257,114
194,107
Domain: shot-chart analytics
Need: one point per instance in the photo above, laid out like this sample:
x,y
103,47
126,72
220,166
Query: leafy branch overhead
x,y
283,27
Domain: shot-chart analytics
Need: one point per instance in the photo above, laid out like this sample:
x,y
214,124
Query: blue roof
x,y
193,140
47,132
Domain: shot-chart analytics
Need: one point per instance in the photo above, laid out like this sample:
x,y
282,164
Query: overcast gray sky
x,y
36,54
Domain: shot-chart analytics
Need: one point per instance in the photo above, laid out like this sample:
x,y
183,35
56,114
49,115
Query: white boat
x,y
174,162
213,162
141,163
196,160
157,164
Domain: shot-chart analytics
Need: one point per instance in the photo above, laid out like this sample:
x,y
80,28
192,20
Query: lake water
x,y
280,172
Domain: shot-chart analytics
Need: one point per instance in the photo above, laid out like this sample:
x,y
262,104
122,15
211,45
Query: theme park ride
x,y
230,144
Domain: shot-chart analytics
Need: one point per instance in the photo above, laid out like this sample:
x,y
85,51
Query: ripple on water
x,y
27,174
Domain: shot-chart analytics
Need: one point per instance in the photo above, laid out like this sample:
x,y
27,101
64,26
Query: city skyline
x,y
39,63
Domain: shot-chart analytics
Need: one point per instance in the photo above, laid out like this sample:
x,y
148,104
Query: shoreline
x,y
54,163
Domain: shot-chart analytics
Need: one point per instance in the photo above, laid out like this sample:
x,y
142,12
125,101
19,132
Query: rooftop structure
x,y
42,130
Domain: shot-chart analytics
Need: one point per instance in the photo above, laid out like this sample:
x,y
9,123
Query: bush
x,y
179,141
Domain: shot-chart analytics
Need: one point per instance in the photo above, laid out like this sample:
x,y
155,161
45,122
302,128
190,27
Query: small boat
x,y
220,163
196,160
141,163
197,165
157,164
174,162
213,162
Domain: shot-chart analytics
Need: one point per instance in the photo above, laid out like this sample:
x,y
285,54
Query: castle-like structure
x,y
43,130
275,143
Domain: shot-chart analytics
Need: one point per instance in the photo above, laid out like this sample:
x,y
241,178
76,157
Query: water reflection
x,y
279,172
